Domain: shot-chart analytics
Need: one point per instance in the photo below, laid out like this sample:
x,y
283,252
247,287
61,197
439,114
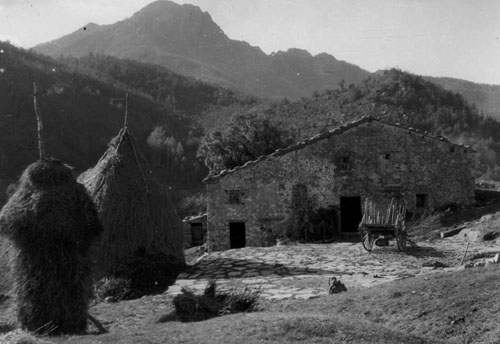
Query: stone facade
x,y
333,173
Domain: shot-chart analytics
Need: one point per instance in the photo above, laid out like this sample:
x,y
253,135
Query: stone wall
x,y
373,160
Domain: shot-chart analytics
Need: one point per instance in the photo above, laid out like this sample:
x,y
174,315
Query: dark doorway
x,y
196,234
350,214
237,234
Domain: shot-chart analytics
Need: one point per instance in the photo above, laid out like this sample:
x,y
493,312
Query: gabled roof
x,y
319,137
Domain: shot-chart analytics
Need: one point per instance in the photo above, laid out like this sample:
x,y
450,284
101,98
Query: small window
x,y
422,200
452,149
343,163
387,156
234,196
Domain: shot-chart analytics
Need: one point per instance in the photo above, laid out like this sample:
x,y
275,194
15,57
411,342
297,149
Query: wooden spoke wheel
x,y
401,241
367,240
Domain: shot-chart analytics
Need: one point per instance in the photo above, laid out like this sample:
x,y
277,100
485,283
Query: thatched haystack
x,y
51,222
138,217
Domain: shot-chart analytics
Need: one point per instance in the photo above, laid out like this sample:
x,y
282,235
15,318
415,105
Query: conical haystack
x,y
51,222
138,217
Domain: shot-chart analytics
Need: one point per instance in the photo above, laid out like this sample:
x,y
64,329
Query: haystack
x,y
137,215
51,222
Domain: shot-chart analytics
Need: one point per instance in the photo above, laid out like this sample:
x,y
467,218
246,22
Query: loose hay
x,y
21,337
192,307
51,222
137,215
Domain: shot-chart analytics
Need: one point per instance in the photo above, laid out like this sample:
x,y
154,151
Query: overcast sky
x,y
455,38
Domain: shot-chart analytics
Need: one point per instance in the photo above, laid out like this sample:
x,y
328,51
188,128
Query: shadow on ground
x,y
238,268
423,252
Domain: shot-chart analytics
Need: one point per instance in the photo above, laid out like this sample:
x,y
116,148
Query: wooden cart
x,y
370,233
381,228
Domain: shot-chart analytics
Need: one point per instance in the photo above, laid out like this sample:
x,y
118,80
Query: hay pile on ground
x,y
51,223
138,217
21,337
192,307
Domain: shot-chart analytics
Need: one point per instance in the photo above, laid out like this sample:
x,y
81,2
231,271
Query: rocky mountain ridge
x,y
185,39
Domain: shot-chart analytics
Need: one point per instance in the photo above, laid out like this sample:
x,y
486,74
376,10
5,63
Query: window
x,y
343,163
422,200
234,196
452,149
387,156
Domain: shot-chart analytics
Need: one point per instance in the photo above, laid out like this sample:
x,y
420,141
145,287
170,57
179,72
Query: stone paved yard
x,y
304,270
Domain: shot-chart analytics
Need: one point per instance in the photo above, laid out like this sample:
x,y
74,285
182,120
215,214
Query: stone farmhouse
x,y
316,188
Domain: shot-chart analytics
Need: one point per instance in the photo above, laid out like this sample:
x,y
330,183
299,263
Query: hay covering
x,y
138,216
21,337
51,222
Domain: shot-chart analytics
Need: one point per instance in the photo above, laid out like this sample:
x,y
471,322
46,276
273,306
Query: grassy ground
x,y
459,307
455,307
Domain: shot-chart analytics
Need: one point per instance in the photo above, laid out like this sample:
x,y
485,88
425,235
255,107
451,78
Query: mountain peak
x,y
325,56
167,20
302,53
166,8
186,39
90,26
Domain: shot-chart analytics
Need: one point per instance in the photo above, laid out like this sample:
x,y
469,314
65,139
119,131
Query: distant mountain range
x,y
186,40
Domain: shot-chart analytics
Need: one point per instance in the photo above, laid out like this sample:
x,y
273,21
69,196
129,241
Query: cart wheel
x,y
367,241
401,242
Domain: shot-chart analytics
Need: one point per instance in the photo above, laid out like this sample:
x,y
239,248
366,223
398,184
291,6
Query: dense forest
x,y
187,96
83,104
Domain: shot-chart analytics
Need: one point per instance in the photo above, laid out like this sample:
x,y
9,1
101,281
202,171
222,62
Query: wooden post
x,y
41,146
465,253
125,120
